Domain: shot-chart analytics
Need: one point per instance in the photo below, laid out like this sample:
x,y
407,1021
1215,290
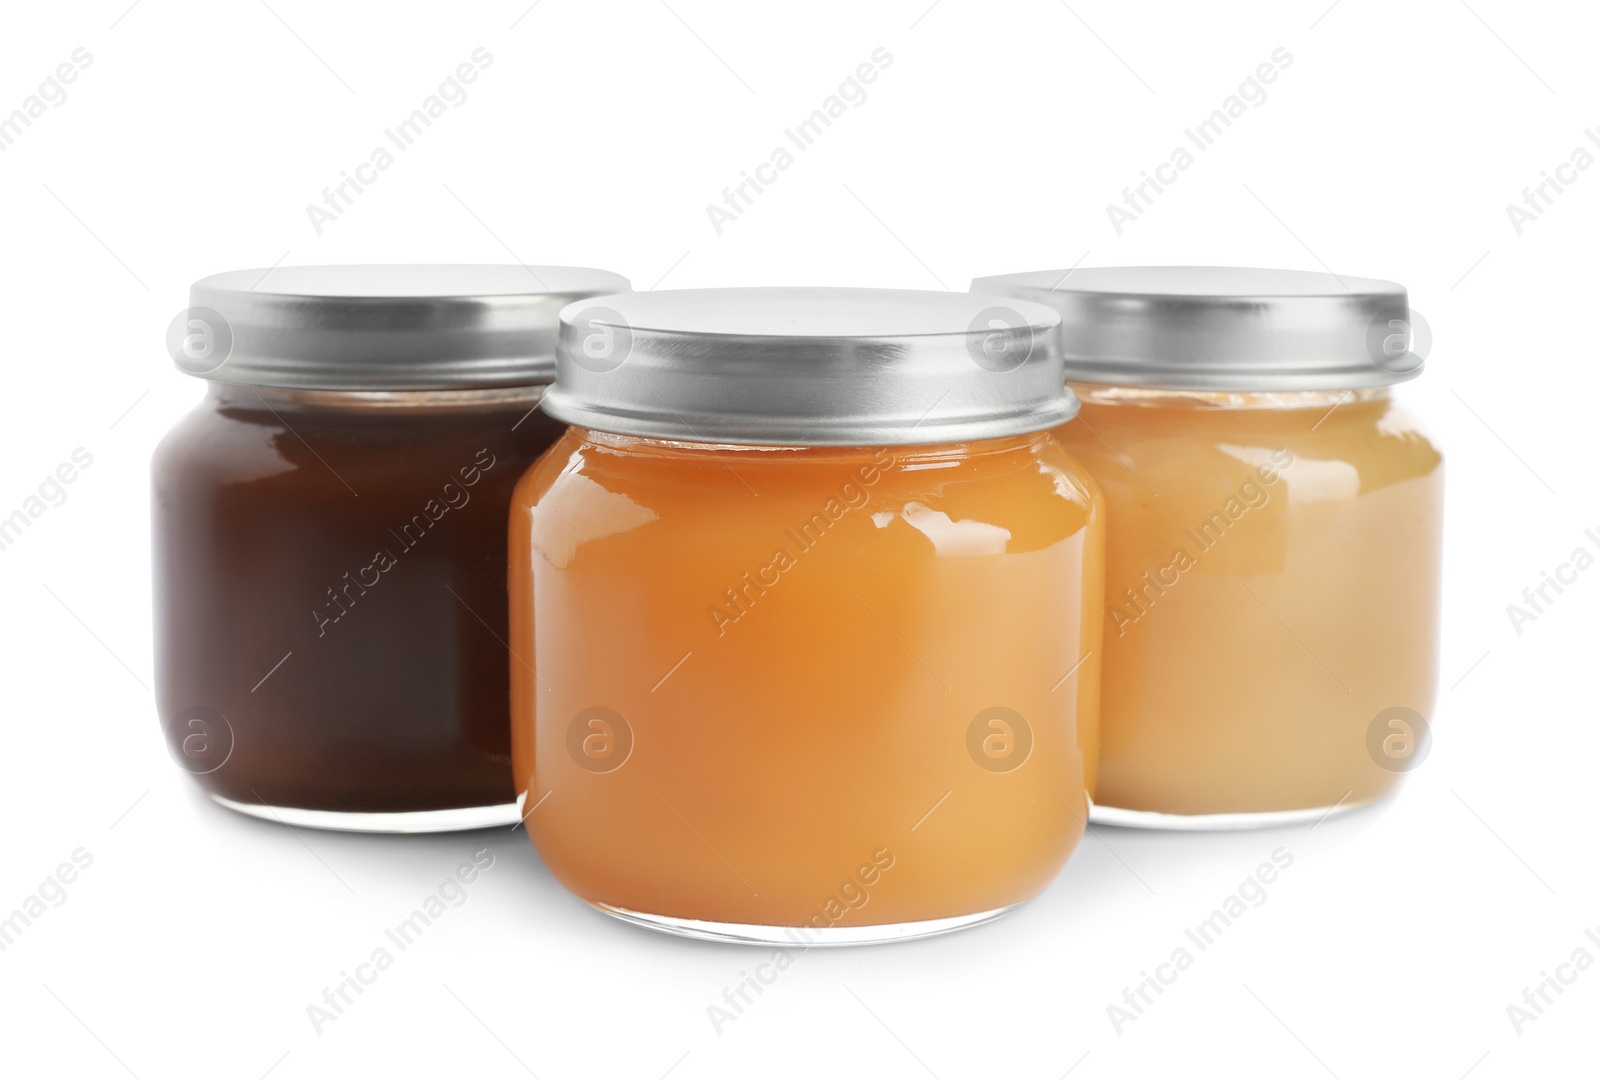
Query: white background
x,y
1390,147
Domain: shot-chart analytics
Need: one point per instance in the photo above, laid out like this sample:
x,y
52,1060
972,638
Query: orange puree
x,y
758,673
1272,586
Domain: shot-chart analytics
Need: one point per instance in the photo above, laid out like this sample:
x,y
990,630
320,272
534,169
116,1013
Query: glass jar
x,y
808,591
1272,582
329,537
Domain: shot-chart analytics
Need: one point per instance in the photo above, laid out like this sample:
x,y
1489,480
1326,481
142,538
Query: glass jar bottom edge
x,y
406,821
1266,819
802,937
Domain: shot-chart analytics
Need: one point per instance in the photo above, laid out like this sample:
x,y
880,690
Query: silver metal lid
x,y
809,367
1225,327
417,327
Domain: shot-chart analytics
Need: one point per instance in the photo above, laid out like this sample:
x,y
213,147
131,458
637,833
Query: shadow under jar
x,y
1272,583
329,537
809,590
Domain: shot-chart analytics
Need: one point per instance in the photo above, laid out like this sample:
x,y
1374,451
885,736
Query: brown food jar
x,y
329,536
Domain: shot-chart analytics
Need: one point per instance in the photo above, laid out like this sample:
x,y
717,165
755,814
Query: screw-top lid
x,y
809,367
1224,327
418,327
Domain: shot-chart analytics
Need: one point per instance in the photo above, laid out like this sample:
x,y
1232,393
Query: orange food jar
x,y
1272,587
806,608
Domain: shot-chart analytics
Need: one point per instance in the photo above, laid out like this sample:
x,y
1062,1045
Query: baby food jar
x,y
811,599
1272,584
329,536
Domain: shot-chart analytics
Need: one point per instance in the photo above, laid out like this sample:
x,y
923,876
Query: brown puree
x,y
330,578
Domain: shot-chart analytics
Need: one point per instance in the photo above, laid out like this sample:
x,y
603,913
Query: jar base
x,y
407,821
1266,819
804,937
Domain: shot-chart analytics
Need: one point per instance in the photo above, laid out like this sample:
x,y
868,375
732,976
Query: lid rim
x,y
377,327
1221,327
758,432
810,367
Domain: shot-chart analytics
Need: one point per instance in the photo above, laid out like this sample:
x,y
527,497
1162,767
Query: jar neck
x,y
1167,398
1029,442
387,402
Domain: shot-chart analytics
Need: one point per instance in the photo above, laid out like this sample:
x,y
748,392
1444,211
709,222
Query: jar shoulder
x,y
1372,443
236,441
1020,498
211,444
